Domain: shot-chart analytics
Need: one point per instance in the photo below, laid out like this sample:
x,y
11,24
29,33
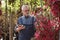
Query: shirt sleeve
x,y
19,21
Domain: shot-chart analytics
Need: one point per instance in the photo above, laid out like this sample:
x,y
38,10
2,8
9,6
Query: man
x,y
25,25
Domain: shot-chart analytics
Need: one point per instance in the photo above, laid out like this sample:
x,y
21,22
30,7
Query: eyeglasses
x,y
26,10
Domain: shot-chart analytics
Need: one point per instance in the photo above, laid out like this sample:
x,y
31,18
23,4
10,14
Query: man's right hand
x,y
20,27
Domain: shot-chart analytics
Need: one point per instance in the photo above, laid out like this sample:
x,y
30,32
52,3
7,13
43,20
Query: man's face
x,y
25,12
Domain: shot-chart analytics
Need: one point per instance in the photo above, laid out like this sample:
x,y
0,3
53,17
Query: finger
x,y
23,28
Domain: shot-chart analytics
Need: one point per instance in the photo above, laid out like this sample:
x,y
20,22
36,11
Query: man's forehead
x,y
26,9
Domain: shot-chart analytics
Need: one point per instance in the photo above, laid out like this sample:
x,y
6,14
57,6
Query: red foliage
x,y
55,7
50,2
46,32
48,28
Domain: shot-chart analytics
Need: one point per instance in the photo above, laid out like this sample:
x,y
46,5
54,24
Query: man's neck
x,y
26,16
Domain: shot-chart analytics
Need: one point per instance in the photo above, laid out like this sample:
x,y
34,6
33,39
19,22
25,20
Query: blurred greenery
x,y
15,4
11,10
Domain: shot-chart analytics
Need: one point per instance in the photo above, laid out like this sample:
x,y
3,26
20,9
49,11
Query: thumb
x,y
23,27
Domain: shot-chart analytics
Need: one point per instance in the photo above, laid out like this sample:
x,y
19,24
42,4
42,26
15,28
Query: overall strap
x,y
22,21
32,20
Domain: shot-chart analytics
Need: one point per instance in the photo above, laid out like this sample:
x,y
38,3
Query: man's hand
x,y
20,27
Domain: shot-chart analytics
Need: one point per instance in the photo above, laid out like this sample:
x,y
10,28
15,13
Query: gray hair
x,y
25,7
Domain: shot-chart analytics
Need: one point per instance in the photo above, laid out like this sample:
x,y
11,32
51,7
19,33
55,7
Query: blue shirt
x,y
29,30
